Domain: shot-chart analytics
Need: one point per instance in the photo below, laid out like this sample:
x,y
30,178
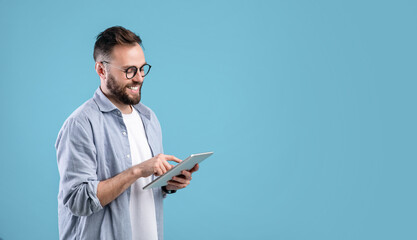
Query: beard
x,y
119,92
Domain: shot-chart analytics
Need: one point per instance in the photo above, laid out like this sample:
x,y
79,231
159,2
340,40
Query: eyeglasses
x,y
131,71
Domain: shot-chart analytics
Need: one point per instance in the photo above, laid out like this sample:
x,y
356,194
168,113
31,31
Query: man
x,y
109,148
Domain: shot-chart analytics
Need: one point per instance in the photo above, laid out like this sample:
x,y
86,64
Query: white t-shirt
x,y
142,205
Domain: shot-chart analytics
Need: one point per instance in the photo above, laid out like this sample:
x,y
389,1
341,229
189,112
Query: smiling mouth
x,y
134,88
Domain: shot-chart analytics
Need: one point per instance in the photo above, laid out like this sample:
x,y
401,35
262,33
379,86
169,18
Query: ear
x,y
101,71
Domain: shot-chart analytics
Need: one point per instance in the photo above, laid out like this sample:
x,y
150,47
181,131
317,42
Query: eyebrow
x,y
126,67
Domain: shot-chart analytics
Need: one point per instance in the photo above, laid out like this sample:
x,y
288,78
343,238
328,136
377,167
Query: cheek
x,y
117,83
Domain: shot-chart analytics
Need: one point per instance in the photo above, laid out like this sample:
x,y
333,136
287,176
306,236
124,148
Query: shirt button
x,y
124,133
128,155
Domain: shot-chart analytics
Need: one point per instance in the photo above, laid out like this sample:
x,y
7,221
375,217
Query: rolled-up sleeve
x,y
77,164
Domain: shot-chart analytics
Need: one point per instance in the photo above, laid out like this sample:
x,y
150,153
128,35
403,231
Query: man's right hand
x,y
157,165
109,189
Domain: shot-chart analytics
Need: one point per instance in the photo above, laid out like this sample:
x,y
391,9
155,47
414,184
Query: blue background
x,y
309,106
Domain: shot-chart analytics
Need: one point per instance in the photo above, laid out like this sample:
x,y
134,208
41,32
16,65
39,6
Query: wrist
x,y
137,171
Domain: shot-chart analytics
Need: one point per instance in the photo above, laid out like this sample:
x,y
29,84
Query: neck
x,y
125,109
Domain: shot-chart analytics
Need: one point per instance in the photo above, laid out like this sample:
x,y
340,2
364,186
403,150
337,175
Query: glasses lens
x,y
131,72
144,70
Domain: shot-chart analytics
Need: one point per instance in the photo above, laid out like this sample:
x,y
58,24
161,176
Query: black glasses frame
x,y
134,68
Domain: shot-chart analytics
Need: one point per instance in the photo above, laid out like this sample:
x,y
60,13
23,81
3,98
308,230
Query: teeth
x,y
133,88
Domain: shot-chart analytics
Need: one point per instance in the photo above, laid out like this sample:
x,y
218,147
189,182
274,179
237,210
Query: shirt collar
x,y
105,105
143,110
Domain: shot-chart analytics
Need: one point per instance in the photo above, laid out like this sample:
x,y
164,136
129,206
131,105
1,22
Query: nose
x,y
138,77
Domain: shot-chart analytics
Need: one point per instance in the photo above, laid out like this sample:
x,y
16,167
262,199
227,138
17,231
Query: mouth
x,y
134,89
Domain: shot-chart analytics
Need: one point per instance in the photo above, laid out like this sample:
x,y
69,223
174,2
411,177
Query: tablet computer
x,y
186,164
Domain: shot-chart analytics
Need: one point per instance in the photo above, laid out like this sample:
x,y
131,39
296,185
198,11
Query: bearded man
x,y
110,148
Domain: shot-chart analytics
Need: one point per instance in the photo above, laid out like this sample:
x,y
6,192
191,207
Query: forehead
x,y
128,55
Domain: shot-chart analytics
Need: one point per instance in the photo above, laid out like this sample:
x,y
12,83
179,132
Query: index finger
x,y
172,158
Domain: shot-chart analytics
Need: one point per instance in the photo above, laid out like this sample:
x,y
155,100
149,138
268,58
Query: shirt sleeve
x,y
77,164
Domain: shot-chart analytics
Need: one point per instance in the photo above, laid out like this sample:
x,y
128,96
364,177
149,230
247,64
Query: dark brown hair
x,y
111,37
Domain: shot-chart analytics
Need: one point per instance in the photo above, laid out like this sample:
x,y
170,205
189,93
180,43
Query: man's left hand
x,y
183,180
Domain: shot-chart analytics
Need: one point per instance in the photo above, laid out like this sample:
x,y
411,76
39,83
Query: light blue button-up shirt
x,y
92,146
